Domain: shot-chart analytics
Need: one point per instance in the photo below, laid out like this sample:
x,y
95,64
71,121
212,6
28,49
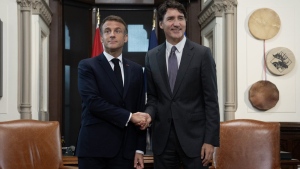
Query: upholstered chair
x,y
248,144
30,144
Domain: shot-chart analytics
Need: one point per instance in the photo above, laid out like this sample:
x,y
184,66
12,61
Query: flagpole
x,y
97,48
98,17
154,19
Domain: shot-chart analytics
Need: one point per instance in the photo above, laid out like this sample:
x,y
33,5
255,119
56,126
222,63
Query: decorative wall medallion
x,y
280,61
264,23
263,95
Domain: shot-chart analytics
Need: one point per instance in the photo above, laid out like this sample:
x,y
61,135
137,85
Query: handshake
x,y
141,119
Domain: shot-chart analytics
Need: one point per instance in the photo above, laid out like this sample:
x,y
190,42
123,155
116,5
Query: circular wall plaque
x,y
264,23
263,95
280,61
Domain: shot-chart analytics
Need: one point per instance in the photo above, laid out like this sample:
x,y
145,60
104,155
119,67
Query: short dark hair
x,y
162,9
114,18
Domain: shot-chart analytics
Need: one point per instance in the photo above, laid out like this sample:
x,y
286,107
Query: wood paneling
x,y
135,2
193,28
56,62
121,2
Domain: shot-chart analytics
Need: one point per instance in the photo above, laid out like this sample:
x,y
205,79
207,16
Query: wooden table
x,y
148,162
70,160
289,164
73,161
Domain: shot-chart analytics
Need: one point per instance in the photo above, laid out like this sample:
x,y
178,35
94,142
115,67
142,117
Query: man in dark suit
x,y
182,97
111,91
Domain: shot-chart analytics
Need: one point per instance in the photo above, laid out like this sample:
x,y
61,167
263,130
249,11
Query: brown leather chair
x,y
30,144
248,144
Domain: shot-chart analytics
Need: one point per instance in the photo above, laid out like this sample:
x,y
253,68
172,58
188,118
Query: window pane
x,y
137,39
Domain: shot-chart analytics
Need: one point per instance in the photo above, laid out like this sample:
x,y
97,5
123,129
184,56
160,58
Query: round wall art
x,y
264,23
263,95
280,61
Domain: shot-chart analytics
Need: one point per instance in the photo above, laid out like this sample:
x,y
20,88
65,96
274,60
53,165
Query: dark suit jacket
x,y
193,106
105,110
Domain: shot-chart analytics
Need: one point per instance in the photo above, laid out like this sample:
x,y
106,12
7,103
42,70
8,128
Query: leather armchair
x,y
30,144
248,144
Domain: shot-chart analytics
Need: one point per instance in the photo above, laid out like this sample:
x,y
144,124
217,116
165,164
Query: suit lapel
x,y
161,61
184,64
107,68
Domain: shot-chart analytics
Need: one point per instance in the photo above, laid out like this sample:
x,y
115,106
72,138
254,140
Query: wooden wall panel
x,y
55,62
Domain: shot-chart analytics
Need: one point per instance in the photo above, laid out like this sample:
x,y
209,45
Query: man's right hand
x,y
141,119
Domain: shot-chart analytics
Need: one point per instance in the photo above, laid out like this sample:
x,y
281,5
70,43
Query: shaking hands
x,y
141,119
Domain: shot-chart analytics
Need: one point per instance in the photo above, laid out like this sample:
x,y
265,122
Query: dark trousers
x,y
173,156
118,162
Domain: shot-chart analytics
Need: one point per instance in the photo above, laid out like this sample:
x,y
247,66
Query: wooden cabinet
x,y
289,164
290,138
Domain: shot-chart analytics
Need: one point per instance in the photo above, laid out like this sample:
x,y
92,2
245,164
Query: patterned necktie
x,y
117,71
172,67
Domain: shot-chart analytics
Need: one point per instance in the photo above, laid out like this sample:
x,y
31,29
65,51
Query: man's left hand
x,y
207,152
138,161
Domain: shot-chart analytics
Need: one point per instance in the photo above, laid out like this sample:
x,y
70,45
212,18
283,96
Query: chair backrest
x,y
248,144
30,144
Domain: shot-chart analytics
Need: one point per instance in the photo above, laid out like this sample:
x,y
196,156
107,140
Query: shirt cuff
x,y
140,152
128,119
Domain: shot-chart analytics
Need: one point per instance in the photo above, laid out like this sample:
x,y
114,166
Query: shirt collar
x,y
110,57
179,45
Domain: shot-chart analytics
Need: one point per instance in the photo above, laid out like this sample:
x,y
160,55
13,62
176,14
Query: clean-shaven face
x,y
174,25
113,37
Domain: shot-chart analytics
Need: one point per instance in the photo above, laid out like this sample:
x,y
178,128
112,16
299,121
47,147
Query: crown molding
x,y
41,8
37,7
214,9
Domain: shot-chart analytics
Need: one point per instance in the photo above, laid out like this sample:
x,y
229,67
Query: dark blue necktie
x,y
117,71
172,67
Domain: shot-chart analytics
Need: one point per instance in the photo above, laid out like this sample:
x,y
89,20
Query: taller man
x,y
182,96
